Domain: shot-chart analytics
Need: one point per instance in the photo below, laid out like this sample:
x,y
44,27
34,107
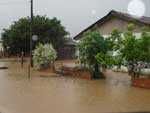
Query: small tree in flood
x,y
105,58
44,55
89,46
135,51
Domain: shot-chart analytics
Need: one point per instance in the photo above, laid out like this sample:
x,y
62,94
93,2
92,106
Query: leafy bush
x,y
44,54
105,59
89,46
134,52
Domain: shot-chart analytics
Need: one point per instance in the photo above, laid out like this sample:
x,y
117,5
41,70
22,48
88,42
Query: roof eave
x,y
108,16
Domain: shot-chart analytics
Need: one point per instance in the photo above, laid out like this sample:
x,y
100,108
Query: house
x,y
68,50
116,20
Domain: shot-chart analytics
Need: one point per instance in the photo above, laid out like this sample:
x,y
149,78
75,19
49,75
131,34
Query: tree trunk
x,y
131,70
96,73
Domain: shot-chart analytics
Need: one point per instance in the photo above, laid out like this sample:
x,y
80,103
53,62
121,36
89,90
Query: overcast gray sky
x,y
74,14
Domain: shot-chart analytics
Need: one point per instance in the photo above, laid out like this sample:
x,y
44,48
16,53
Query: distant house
x,y
68,50
116,20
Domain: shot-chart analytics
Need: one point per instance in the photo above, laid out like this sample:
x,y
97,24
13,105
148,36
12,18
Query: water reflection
x,y
67,94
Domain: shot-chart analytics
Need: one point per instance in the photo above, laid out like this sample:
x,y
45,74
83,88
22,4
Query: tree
x,y
17,37
144,46
105,59
112,54
133,50
44,55
89,46
117,45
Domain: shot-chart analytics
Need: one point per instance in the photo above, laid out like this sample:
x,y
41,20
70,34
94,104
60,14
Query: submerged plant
x,y
44,54
89,46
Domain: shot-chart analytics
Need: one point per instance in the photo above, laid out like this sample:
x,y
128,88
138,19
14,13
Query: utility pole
x,y
31,33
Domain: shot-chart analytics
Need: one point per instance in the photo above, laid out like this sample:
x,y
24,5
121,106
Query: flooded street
x,y
56,94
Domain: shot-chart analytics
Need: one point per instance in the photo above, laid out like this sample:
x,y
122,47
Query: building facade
x,y
116,20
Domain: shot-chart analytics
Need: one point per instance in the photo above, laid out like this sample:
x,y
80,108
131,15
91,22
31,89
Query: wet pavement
x,y
57,94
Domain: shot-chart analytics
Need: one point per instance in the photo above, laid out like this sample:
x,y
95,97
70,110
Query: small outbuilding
x,y
67,52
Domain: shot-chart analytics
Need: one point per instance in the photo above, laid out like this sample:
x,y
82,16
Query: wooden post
x,y
22,59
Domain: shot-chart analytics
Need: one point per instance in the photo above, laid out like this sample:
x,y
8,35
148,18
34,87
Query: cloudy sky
x,y
74,14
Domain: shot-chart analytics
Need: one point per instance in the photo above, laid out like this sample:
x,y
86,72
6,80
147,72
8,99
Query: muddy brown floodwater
x,y
56,94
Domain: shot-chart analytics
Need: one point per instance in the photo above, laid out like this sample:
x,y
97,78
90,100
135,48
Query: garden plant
x,y
132,51
89,46
44,55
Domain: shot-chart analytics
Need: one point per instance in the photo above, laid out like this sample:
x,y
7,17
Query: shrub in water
x,y
44,55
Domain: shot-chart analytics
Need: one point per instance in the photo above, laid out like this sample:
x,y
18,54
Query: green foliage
x,y
144,47
116,41
118,60
105,59
131,50
17,37
131,27
89,46
137,49
44,54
